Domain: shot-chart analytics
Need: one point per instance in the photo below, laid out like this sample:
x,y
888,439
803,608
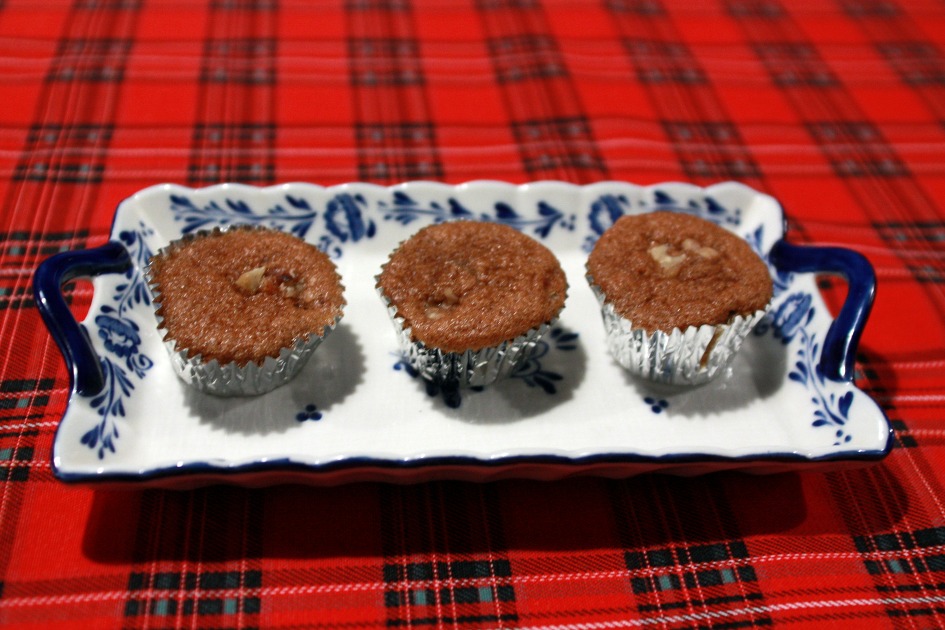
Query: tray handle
x,y
839,351
71,336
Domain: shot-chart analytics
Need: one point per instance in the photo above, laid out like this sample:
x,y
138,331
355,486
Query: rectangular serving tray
x,y
357,413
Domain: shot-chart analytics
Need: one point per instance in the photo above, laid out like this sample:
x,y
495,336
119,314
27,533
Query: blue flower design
x,y
605,211
788,322
121,339
529,372
404,209
657,405
296,215
310,412
791,315
345,222
120,335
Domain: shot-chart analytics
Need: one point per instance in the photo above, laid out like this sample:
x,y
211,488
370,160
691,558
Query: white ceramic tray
x,y
357,413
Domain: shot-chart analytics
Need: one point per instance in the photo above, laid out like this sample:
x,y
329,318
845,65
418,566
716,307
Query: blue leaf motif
x,y
844,405
504,212
794,313
344,218
714,207
829,409
457,210
663,199
605,211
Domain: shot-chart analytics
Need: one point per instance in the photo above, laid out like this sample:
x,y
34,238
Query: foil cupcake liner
x,y
470,368
233,379
692,356
252,379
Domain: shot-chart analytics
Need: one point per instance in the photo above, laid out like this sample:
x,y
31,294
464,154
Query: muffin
x,y
242,309
469,299
678,294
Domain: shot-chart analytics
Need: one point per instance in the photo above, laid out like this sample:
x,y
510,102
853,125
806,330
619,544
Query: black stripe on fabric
x,y
856,149
794,64
670,558
646,8
463,591
65,153
91,60
564,142
215,142
701,149
667,577
377,5
918,539
385,62
23,394
244,5
660,61
108,5
525,56
14,462
903,439
858,9
754,9
918,63
507,5
380,160
707,602
457,620
909,564
911,588
24,385
246,61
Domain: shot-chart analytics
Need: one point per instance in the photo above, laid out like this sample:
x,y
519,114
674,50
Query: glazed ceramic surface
x,y
356,411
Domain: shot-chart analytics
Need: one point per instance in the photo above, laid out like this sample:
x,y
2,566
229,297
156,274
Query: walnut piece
x,y
249,281
668,262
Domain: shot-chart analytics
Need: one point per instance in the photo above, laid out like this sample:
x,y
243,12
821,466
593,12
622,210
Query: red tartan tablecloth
x,y
836,108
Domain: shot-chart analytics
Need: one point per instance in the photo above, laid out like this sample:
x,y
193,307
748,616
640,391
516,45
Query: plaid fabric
x,y
836,108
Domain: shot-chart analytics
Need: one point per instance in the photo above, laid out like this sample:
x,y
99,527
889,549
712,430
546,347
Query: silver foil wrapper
x,y
232,379
692,356
252,379
471,368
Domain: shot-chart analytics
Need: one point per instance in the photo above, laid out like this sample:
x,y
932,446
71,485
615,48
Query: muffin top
x,y
244,293
666,270
468,285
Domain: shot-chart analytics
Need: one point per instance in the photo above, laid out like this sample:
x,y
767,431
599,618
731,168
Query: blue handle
x,y
71,337
839,350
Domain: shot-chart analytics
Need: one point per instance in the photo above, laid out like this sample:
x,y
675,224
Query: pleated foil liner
x,y
471,368
252,379
692,356
232,379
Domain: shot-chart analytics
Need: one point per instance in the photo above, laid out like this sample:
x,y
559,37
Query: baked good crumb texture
x,y
665,270
467,285
243,294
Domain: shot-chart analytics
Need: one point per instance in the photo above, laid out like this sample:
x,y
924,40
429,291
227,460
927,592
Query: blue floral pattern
x,y
345,222
123,360
294,215
790,321
309,413
404,209
605,211
347,216
657,405
529,372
